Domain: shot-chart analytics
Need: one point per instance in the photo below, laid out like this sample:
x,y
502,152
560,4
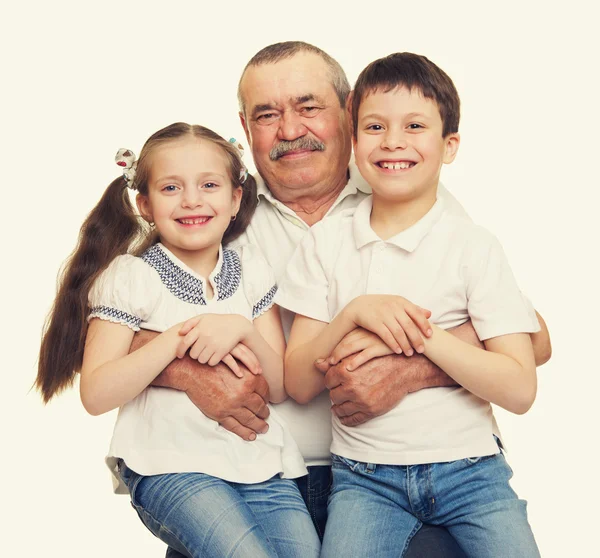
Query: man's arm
x,y
380,384
237,404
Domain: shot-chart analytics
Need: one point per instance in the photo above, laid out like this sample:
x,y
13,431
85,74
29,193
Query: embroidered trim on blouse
x,y
264,303
188,288
116,316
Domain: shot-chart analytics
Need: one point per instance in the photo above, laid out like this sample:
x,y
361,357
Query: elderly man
x,y
292,107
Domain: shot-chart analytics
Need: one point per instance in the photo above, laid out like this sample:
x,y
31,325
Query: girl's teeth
x,y
194,221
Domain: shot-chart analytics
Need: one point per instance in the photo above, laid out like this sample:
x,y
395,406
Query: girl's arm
x,y
503,374
211,337
110,377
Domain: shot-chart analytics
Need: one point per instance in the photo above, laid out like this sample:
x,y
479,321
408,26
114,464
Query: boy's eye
x,y
169,188
415,126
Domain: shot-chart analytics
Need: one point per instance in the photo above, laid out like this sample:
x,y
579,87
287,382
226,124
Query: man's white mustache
x,y
304,142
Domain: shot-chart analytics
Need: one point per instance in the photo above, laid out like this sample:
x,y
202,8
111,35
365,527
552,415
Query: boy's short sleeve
x,y
495,304
258,279
122,293
304,287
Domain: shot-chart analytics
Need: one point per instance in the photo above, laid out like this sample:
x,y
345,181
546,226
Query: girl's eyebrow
x,y
177,177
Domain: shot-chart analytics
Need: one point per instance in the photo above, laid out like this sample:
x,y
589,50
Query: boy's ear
x,y
143,205
452,142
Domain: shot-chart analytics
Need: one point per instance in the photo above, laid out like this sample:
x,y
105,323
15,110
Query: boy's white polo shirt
x,y
444,263
277,231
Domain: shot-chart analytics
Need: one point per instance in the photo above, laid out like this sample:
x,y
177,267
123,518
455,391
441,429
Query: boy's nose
x,y
393,141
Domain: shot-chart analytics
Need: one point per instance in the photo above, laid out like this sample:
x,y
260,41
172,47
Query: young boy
x,y
397,272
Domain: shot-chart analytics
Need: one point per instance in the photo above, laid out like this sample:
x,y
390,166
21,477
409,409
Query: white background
x,y
81,80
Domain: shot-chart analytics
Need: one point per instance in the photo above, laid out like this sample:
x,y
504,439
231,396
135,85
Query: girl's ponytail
x,y
107,232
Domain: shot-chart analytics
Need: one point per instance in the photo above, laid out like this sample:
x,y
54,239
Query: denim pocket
x,y
339,462
479,459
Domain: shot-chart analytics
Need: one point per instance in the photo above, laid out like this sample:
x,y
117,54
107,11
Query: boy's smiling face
x,y
399,147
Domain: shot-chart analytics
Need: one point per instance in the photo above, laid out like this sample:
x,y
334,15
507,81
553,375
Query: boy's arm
x,y
504,374
237,404
379,385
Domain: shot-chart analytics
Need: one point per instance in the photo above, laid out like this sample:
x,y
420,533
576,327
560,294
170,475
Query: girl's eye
x,y
375,127
210,185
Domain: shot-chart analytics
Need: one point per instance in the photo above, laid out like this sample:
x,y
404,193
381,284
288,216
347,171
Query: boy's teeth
x,y
396,165
194,221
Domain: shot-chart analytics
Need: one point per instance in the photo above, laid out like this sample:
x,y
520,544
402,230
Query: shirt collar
x,y
185,283
356,183
408,239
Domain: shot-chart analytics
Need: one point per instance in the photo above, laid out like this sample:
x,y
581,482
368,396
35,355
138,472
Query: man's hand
x,y
237,404
376,387
379,385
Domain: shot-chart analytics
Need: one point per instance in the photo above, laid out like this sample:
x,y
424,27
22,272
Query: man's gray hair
x,y
280,51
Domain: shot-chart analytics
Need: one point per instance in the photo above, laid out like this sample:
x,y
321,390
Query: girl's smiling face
x,y
191,199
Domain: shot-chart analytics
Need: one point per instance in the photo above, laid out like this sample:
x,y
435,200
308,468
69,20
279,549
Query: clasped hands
x,y
385,325
214,338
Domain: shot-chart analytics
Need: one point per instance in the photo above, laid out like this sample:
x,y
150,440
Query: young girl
x,y
202,490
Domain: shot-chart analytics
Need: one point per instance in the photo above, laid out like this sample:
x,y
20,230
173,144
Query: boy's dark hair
x,y
111,229
414,72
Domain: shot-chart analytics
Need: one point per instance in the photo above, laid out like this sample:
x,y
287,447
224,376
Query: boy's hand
x,y
398,322
212,338
362,344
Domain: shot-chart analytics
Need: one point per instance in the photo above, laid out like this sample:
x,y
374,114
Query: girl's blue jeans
x,y
205,517
375,510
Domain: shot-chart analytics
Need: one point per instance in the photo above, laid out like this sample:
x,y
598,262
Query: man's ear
x,y
143,205
452,142
349,114
245,126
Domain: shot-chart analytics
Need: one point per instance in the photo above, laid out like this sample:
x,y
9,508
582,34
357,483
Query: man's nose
x,y
291,126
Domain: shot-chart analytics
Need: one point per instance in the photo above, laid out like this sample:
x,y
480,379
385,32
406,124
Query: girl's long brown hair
x,y
111,229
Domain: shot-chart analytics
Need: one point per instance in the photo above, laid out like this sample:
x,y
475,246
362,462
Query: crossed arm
x,y
240,404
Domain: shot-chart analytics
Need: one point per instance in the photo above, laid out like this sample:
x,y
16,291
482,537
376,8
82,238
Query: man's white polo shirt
x,y
444,263
277,231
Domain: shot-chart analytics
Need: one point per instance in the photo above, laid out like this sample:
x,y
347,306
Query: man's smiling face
x,y
297,130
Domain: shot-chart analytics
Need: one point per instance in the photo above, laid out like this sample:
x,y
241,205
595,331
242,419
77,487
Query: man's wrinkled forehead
x,y
298,79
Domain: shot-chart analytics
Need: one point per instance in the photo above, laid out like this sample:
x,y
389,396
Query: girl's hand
x,y
211,338
361,343
397,321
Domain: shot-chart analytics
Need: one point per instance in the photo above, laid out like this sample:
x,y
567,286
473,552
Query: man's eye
x,y
309,110
265,117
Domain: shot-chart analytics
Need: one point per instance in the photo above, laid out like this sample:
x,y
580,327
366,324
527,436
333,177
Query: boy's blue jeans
x,y
201,516
375,510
